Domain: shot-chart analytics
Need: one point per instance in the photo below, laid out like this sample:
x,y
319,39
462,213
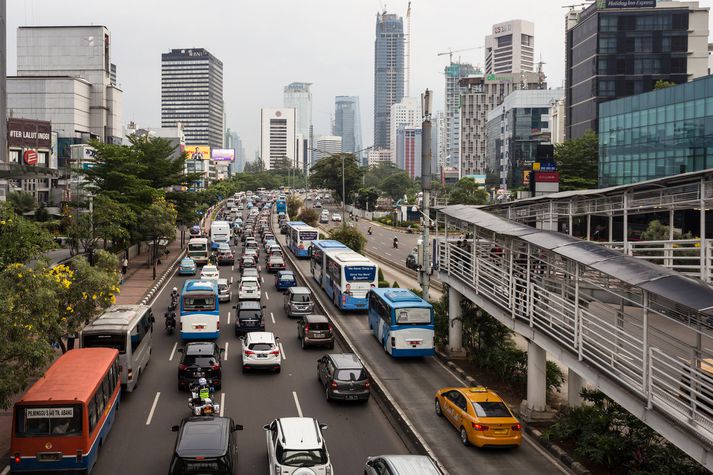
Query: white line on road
x,y
263,279
297,402
5,470
387,253
259,269
222,403
272,317
267,295
228,318
227,344
232,268
153,408
173,351
282,350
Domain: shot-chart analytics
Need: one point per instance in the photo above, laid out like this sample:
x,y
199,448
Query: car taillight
x,y
180,326
215,367
393,341
17,457
217,327
367,384
249,352
333,385
130,375
480,427
182,367
516,427
275,352
307,327
330,327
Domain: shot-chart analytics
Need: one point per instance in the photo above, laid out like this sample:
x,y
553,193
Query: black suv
x,y
344,377
205,445
201,359
249,317
412,261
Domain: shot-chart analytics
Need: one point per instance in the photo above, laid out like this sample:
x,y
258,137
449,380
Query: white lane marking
x,y
153,408
387,253
272,317
5,470
282,350
297,403
267,295
259,269
263,279
222,403
227,344
173,351
228,318
232,268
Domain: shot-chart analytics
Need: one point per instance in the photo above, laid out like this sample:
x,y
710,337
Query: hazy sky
x,y
266,44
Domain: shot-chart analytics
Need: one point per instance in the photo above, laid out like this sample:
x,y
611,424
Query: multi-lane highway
x,y
141,441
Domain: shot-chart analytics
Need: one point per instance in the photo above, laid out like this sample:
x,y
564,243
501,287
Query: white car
x,y
337,217
261,351
210,273
295,442
249,289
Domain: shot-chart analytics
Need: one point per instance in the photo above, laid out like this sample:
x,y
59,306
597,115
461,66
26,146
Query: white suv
x,y
249,289
261,351
295,445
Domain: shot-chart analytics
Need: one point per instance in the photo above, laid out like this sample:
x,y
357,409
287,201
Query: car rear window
x,y
301,298
319,326
260,346
356,374
248,283
287,278
199,360
491,409
249,315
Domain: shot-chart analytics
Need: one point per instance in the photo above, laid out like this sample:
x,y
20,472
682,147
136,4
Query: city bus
x,y
281,205
402,322
349,277
200,317
61,421
128,329
318,258
300,237
199,250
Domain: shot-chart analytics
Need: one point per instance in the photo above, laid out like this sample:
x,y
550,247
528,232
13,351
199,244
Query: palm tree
x,y
22,201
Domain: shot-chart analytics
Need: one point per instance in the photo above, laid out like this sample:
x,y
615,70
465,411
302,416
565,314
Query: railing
x,y
653,348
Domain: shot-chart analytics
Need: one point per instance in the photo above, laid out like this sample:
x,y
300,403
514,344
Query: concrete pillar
x,y
455,325
575,383
536,371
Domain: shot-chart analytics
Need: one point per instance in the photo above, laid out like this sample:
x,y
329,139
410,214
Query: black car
x,y
205,445
412,261
249,317
201,359
344,377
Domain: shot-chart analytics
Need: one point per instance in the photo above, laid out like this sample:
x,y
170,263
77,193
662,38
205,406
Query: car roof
x,y
200,348
249,305
210,268
316,318
249,278
480,394
408,464
300,433
203,436
345,360
260,337
277,258
299,290
285,272
223,281
186,259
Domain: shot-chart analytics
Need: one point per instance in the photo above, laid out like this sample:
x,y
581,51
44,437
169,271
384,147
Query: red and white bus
x,y
62,420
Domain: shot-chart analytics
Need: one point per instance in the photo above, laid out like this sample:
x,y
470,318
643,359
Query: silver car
x,y
298,301
401,465
225,293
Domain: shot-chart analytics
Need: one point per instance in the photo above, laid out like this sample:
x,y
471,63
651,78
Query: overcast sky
x,y
267,44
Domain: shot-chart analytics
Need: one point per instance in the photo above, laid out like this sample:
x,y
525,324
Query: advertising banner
x,y
222,154
547,177
27,133
360,273
198,152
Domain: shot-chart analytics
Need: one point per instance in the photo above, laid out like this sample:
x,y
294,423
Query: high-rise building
x,y
277,134
388,73
510,48
232,140
406,112
347,123
557,121
439,125
408,150
618,52
454,72
192,93
326,146
298,97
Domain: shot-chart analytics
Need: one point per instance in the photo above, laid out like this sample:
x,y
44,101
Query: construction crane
x,y
451,51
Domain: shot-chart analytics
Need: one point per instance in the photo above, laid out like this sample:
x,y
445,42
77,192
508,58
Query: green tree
x,y
375,174
366,198
294,204
112,220
161,167
397,185
309,216
467,192
22,201
577,162
663,84
327,173
20,240
350,237
158,223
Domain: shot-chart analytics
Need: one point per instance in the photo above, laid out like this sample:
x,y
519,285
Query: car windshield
x,y
223,287
491,409
355,374
413,316
106,340
302,458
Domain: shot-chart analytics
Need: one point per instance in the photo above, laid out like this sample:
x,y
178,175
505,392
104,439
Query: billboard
x,y
478,179
222,154
27,133
197,152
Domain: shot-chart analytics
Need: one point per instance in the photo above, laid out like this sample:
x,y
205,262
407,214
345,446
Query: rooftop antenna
x,y
408,50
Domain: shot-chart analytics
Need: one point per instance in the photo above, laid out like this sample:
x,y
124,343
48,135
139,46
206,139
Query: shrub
x,y
396,285
384,284
350,237
309,216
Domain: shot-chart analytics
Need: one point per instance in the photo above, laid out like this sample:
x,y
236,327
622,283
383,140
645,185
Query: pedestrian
x,y
124,268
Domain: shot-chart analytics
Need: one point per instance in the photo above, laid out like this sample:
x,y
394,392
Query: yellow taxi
x,y
480,415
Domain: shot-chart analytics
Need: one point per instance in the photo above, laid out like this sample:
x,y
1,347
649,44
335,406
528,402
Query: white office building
x,y
326,146
377,156
408,113
510,48
277,136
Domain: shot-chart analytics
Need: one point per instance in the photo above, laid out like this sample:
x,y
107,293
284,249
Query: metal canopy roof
x,y
655,279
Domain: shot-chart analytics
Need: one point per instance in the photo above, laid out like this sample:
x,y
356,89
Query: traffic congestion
x,y
217,375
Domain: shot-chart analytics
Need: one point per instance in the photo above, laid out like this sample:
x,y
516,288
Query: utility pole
x,y
426,187
344,198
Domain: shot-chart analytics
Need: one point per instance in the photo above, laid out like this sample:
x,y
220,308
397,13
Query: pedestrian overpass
x,y
640,332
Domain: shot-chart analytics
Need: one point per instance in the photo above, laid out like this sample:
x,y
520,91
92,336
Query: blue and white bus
x,y
402,322
318,257
281,205
300,237
200,317
348,278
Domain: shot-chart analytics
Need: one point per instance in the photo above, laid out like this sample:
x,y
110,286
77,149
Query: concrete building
x,y
378,155
618,52
298,97
454,72
326,146
277,135
408,149
483,95
174,135
192,93
347,123
513,131
510,48
303,153
439,125
406,112
232,140
557,121
388,73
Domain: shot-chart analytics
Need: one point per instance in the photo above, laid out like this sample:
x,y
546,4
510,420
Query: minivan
x,y
298,301
205,445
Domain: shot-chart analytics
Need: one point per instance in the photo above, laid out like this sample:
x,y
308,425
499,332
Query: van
x,y
205,445
298,301
129,329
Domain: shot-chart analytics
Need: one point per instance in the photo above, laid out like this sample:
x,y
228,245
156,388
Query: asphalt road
x,y
413,382
141,441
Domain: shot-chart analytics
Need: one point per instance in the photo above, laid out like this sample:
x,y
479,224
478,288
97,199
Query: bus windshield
x,y
197,247
106,340
413,316
199,302
42,421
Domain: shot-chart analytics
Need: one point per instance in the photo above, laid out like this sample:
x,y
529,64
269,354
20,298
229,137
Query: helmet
x,y
175,289
202,382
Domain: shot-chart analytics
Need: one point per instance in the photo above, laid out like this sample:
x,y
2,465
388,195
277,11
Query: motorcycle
x,y
202,406
370,232
396,243
170,322
409,230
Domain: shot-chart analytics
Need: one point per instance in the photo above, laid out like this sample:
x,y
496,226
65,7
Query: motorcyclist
x,y
369,231
396,242
201,390
409,229
170,319
174,293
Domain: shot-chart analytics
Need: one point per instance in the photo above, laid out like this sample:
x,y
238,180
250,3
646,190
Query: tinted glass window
x,y
201,361
116,341
32,421
260,346
249,315
319,326
300,298
356,374
199,302
491,409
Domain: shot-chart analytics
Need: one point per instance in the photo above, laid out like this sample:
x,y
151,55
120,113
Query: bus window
x,y
36,421
413,316
138,333
107,340
199,302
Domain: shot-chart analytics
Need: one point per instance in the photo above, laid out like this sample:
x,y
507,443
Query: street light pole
x,y
426,186
344,197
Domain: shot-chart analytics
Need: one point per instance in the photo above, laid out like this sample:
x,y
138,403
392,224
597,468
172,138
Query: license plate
x,y
49,456
262,356
414,342
351,396
499,431
198,375
319,335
